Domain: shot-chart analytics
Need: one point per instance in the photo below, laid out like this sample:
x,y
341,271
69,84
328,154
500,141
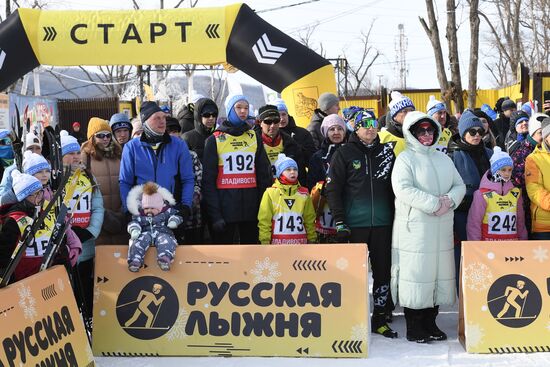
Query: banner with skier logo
x,y
231,300
505,297
40,323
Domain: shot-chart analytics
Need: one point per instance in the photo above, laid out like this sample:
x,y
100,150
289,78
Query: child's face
x,y
291,174
506,173
151,211
43,176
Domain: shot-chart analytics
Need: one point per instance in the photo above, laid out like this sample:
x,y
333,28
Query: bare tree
x,y
359,73
452,40
474,53
305,37
432,30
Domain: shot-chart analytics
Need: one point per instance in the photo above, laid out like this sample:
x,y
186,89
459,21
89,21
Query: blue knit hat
x,y
33,163
281,105
24,184
230,102
69,144
518,117
4,133
399,102
500,159
434,106
489,111
120,121
283,162
467,121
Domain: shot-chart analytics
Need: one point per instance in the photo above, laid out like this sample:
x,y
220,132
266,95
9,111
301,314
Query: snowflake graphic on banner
x,y
266,271
178,329
478,276
60,284
342,263
27,302
474,335
548,326
359,332
540,254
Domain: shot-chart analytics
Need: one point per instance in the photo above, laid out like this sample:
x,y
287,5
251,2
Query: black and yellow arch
x,y
232,35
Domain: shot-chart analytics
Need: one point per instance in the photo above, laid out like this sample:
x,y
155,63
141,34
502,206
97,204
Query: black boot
x,y
430,326
379,325
415,327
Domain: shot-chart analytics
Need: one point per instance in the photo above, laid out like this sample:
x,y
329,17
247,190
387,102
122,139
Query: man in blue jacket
x,y
156,156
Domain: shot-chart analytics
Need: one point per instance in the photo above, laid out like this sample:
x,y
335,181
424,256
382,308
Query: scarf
x,y
152,136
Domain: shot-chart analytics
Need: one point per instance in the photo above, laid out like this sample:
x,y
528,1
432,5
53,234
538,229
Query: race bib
x,y
502,223
288,228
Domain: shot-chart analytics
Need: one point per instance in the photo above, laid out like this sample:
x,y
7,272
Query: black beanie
x,y
267,111
147,109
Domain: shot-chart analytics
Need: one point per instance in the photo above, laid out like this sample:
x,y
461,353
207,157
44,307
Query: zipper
x,y
371,190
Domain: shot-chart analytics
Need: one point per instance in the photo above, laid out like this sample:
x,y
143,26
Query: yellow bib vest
x,y
236,160
80,205
273,153
500,220
288,222
444,140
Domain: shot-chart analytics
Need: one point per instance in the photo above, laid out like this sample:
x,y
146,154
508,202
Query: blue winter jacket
x,y
140,164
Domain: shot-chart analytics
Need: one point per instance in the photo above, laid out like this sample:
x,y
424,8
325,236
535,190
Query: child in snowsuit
x,y
153,219
497,212
286,214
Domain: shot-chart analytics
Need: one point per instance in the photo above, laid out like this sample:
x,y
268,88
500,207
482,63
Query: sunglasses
x,y
208,115
425,130
474,132
103,135
271,122
367,123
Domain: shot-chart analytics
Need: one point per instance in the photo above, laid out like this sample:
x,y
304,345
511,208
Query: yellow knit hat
x,y
96,125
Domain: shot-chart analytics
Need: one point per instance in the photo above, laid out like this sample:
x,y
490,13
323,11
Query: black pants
x,y
378,240
86,282
245,233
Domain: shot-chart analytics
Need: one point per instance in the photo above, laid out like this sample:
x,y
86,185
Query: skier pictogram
x,y
144,300
512,294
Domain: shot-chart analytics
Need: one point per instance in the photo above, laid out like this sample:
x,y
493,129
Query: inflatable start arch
x,y
232,35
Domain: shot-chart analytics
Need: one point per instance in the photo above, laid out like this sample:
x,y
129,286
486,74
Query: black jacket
x,y
233,205
195,138
320,162
302,137
9,236
314,127
358,188
500,128
186,118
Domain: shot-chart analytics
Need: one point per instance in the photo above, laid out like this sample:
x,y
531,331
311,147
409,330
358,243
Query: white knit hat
x,y
535,122
399,102
434,106
24,184
32,140
69,143
500,159
33,163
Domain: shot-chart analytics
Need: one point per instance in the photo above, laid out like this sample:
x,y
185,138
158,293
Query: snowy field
x,y
382,353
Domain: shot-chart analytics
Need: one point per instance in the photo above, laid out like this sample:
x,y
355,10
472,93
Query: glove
x,y
134,233
184,211
74,253
444,206
343,232
172,224
219,225
83,234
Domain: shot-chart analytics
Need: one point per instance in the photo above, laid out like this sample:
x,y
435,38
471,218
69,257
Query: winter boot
x,y
164,263
134,266
379,325
430,326
415,329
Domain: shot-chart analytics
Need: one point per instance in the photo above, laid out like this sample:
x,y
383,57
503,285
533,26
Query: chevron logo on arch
x,y
265,52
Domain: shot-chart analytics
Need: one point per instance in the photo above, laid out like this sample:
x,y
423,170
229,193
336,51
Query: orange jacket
x,y
538,188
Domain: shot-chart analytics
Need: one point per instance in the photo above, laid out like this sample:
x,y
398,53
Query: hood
x,y
185,114
133,202
291,123
497,187
199,106
413,118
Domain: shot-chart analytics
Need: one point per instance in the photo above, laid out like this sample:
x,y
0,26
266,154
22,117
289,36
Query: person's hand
x,y
134,233
343,232
74,253
444,206
172,224
219,225
546,106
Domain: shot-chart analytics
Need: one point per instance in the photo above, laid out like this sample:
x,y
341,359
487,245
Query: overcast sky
x,y
340,24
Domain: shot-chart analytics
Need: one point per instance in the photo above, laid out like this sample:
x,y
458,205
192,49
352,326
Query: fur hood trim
x,y
133,200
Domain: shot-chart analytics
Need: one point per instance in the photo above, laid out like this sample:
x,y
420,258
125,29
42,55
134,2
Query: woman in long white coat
x,y
427,188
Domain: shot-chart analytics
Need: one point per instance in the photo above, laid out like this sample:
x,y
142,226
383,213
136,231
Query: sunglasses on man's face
x,y
474,132
271,121
208,115
103,136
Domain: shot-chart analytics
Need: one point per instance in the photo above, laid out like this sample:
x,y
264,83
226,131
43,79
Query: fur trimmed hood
x,y
134,198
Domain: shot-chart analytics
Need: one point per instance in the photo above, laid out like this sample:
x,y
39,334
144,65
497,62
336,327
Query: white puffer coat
x,y
423,271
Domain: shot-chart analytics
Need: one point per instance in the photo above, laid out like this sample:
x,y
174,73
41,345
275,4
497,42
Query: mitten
x,y
343,232
134,233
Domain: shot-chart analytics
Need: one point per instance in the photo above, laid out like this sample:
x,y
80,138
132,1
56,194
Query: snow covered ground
x,y
382,353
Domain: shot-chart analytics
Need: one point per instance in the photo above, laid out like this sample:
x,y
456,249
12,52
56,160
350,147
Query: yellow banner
x,y
40,324
129,37
506,297
296,301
